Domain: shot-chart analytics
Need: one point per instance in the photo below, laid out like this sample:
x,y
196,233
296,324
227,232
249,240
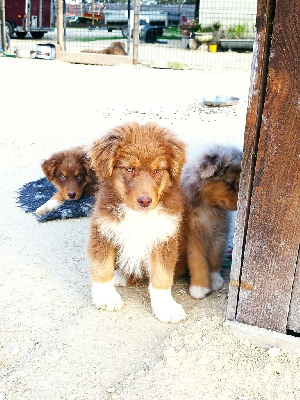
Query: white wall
x,y
228,12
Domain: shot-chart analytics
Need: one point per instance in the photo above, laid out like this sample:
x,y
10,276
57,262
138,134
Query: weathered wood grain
x,y
294,315
273,230
256,99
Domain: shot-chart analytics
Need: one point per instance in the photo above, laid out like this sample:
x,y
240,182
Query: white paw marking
x,y
164,307
216,281
105,296
198,292
119,278
50,205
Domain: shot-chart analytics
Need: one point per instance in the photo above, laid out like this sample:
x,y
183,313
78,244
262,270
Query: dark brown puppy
x,y
71,173
136,224
211,184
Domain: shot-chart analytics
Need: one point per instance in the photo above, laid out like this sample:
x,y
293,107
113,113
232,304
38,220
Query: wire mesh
x,y
172,33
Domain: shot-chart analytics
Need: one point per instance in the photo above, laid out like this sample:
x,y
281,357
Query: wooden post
x,y
60,25
136,30
129,27
3,26
93,12
265,273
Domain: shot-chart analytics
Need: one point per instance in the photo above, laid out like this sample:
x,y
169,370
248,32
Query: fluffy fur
x,y
137,219
211,183
71,173
116,49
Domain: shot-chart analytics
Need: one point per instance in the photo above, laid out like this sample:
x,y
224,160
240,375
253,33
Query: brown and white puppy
x,y
211,184
71,173
136,223
115,48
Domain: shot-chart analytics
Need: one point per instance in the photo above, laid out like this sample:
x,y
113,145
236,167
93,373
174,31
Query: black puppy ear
x,y
103,155
49,167
209,166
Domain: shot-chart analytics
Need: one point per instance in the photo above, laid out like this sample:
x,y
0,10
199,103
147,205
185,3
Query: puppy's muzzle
x,y
71,195
144,201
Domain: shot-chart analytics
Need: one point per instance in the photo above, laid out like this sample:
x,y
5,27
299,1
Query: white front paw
x,y
50,205
41,210
164,307
216,281
198,292
105,296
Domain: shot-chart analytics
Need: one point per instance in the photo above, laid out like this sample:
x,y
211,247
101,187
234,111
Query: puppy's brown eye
x,y
231,185
79,176
62,177
157,171
130,170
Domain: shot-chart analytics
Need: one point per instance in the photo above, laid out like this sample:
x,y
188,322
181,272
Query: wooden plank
x,y
273,229
256,99
294,315
263,338
93,59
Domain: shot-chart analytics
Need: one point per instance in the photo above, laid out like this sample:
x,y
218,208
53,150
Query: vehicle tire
x,y
37,35
9,29
124,31
21,35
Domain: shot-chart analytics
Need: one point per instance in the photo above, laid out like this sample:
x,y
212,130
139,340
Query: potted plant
x,y
237,38
205,34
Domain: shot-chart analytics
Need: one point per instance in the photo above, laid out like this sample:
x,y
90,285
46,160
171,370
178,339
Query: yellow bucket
x,y
212,48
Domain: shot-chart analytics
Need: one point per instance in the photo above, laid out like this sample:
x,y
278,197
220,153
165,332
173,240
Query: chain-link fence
x,y
172,33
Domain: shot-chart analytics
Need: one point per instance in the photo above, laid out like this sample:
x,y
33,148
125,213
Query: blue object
x,y
34,194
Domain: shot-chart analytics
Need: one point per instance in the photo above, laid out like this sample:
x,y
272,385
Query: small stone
x,y
111,390
2,396
15,351
170,352
198,323
205,339
273,352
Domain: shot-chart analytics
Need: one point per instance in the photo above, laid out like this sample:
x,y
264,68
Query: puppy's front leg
x,y
164,307
198,267
102,265
50,205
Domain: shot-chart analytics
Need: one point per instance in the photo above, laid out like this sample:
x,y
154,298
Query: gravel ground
x,y
53,343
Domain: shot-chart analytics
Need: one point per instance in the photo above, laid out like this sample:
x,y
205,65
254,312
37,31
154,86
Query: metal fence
x,y
206,33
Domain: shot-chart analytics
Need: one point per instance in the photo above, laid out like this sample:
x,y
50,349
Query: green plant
x,y
241,31
237,31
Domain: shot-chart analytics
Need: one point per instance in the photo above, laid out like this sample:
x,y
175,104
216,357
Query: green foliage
x,y
237,31
173,32
94,39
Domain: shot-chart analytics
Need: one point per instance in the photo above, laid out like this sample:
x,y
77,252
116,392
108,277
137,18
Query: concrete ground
x,y
54,345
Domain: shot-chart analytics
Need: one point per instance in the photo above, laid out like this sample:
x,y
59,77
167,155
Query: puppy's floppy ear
x,y
178,157
49,166
103,155
86,162
209,166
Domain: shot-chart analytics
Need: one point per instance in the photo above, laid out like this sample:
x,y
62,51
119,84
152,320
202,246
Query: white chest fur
x,y
136,234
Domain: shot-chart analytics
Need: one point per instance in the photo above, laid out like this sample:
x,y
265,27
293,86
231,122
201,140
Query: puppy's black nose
x,y
71,195
144,201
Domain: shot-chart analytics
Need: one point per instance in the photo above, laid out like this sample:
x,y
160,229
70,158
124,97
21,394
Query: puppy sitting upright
x,y
136,223
211,184
71,173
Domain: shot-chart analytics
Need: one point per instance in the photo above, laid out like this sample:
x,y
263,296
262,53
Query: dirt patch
x,y
54,344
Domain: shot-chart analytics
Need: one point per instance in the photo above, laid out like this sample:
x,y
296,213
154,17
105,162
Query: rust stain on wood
x,y
244,285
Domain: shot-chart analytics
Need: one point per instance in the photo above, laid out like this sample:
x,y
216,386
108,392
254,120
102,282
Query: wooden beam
x,y
268,231
263,338
264,20
93,59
